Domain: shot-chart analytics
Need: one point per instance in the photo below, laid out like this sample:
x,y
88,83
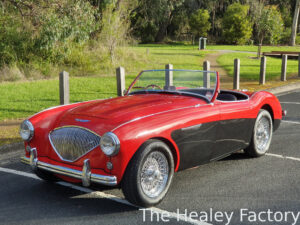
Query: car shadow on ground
x,y
240,155
42,199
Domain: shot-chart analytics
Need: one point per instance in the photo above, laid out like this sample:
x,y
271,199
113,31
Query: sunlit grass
x,y
253,48
250,66
22,99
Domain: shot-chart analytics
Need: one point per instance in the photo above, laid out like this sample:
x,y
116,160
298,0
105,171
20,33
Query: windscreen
x,y
190,82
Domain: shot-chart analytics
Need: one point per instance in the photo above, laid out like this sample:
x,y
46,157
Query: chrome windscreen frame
x,y
216,88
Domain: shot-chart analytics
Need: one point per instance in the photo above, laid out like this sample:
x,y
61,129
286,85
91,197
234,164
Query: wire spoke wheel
x,y
262,135
154,174
149,174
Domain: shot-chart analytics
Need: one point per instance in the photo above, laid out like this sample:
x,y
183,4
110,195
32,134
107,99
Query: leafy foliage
x,y
37,37
237,25
269,24
151,23
199,23
15,42
43,29
115,28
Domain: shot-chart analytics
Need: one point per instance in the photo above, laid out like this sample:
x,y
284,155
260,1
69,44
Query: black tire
x,y
255,149
46,176
132,185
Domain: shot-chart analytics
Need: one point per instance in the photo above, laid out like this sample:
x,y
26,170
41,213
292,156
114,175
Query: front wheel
x,y
262,135
149,174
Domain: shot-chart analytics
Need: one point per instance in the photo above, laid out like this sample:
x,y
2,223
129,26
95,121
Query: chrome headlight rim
x,y
26,124
115,140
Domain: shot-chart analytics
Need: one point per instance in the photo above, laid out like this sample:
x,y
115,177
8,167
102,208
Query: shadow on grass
x,y
94,92
178,54
17,110
37,100
5,141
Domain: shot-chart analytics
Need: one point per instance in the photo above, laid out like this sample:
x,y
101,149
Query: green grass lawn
x,y
157,55
250,67
253,48
22,99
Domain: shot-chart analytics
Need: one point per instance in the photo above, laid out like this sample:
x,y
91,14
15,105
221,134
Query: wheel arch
x,y
269,109
169,143
175,153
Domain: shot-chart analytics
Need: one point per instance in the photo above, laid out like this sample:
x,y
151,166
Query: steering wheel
x,y
153,86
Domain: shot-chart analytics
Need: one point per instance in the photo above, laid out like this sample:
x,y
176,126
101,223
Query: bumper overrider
x,y
84,175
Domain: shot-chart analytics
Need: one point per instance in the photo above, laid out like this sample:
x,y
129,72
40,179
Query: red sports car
x,y
168,120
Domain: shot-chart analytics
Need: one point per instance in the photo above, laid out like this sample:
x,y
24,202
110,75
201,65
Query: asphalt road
x,y
266,189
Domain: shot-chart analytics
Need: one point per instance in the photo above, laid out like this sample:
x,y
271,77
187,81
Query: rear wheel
x,y
262,135
149,174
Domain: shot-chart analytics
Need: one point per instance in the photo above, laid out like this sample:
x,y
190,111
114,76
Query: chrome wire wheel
x,y
263,134
149,174
154,174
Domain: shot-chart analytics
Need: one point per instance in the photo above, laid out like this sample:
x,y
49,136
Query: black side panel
x,y
202,143
232,135
195,144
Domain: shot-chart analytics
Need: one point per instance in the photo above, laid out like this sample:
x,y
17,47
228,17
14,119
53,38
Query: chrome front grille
x,y
70,143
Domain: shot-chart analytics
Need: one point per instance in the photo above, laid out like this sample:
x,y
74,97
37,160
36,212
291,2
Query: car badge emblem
x,y
83,121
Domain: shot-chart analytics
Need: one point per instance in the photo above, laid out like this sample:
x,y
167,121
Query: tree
x,y
295,21
199,23
236,24
43,28
150,23
115,28
269,25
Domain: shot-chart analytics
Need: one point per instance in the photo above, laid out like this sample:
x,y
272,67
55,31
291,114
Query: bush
x,y
298,40
15,43
72,22
273,24
199,23
237,28
47,30
286,36
268,24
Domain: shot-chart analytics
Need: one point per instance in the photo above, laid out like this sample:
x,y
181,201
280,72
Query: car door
x,y
234,128
196,141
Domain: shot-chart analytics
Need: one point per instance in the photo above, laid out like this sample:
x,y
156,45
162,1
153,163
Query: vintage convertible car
x,y
168,120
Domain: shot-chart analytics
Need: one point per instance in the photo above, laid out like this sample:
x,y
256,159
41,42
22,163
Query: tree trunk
x,y
259,47
162,32
295,21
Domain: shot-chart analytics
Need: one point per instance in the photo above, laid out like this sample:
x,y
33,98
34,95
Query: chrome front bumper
x,y
84,175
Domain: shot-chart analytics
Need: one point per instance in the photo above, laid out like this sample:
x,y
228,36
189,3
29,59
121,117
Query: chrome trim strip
x,y
142,117
245,100
85,175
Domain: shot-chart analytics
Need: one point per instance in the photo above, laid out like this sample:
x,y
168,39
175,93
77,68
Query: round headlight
x,y
26,130
110,144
